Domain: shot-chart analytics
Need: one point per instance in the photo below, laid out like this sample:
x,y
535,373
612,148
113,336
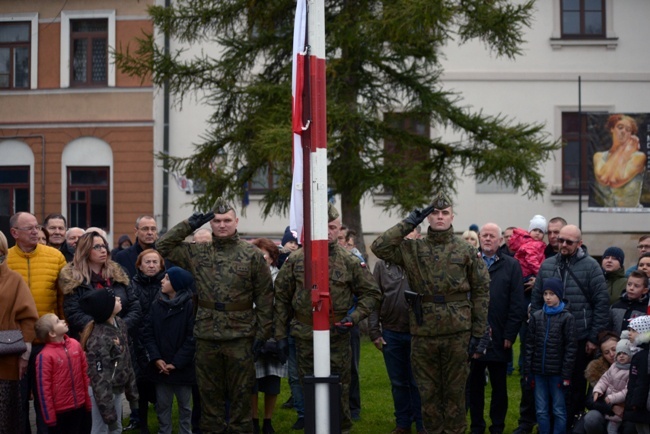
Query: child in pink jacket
x,y
613,384
62,379
529,247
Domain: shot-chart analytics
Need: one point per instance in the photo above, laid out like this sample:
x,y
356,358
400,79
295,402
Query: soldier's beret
x,y
441,201
221,206
332,213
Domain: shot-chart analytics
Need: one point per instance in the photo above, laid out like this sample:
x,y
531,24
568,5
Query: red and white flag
x,y
296,218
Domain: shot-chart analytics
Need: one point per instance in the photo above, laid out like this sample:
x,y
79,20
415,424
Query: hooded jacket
x,y
73,288
589,308
62,379
613,385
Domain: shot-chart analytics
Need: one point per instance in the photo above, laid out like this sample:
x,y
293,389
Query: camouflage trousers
x,y
225,373
340,356
440,368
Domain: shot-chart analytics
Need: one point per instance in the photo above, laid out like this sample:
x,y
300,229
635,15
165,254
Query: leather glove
x,y
418,215
473,345
198,219
283,350
345,325
258,345
530,381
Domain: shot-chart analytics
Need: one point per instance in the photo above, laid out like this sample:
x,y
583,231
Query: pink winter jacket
x,y
62,378
613,385
528,252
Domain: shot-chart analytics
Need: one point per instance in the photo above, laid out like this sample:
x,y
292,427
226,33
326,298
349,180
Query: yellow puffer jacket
x,y
40,269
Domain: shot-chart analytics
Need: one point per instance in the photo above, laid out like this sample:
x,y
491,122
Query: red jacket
x,y
529,252
62,378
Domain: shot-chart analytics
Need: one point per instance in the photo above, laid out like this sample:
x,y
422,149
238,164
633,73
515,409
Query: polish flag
x,y
296,218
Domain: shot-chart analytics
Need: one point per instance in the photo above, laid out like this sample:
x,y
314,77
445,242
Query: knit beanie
x,y
554,284
179,278
538,222
615,252
624,346
288,236
640,324
98,303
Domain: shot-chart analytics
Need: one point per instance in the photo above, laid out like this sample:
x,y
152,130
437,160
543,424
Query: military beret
x,y
332,213
441,201
221,206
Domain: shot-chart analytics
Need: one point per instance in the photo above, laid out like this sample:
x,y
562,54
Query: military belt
x,y
308,320
448,298
226,307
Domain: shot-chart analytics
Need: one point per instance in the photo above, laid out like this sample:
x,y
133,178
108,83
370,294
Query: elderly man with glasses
x,y
39,265
585,289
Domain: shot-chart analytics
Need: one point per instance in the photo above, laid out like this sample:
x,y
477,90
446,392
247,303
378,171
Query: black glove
x,y
473,345
198,219
345,325
418,215
283,350
258,345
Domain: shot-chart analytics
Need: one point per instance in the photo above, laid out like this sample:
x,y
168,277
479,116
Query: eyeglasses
x,y
567,242
100,246
643,247
30,228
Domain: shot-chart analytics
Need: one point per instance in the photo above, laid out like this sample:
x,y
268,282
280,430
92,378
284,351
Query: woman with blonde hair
x,y
91,269
471,237
17,311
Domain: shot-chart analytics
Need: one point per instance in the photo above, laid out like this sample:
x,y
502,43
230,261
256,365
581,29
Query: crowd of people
x,y
209,319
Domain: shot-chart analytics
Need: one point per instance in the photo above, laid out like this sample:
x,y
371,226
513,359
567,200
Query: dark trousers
x,y
355,391
578,392
78,421
294,379
406,397
146,394
498,401
27,388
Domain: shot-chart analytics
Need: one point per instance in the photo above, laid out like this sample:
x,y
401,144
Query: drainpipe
x,y
165,204
42,137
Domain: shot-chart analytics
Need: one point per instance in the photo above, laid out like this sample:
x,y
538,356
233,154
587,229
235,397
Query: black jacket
x,y
167,334
145,289
507,308
624,310
638,385
127,258
551,344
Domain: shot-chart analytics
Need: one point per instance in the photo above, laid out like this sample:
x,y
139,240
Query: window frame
x,y
89,37
582,11
32,19
88,189
66,44
608,40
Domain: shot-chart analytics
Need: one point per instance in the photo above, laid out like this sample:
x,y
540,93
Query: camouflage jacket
x,y
109,366
225,271
347,278
440,264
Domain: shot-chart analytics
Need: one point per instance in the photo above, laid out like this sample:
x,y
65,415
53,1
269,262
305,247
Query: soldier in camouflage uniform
x,y
453,287
230,276
347,278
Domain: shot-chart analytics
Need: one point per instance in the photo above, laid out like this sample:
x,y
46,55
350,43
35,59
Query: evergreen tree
x,y
383,73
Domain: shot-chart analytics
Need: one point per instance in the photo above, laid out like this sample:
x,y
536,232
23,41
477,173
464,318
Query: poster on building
x,y
619,162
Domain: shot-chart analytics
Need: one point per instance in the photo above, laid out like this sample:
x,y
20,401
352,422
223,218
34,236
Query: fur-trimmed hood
x,y
69,280
595,369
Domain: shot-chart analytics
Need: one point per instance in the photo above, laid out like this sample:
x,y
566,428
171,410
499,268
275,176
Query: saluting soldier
x,y
448,316
230,276
347,278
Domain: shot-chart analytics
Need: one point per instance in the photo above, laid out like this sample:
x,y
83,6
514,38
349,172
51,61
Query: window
x,y
265,179
583,18
88,197
15,50
89,52
14,189
399,154
572,153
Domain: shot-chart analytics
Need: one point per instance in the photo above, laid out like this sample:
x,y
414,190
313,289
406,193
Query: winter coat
x,y
109,367
167,334
67,252
616,282
145,288
62,379
507,308
128,257
393,309
17,311
529,252
638,385
551,344
73,288
613,385
40,269
591,308
625,310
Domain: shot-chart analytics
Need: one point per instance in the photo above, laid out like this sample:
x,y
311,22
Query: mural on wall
x,y
619,163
